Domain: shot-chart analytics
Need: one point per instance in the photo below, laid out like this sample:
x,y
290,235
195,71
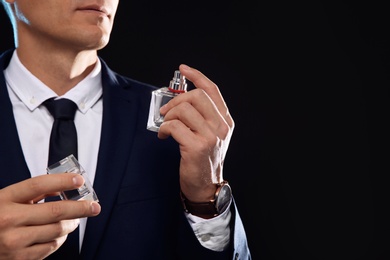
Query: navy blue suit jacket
x,y
137,181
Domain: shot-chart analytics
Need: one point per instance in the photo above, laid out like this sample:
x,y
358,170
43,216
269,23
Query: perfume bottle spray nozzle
x,y
178,82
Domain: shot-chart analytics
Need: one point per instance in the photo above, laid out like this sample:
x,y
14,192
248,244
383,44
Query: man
x,y
156,197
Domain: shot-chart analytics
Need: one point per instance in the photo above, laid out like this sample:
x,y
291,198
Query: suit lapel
x,y
11,155
119,121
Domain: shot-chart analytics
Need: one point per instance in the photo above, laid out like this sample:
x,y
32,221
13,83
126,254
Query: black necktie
x,y
63,138
63,142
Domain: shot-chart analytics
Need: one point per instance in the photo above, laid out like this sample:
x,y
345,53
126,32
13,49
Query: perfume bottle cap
x,y
178,83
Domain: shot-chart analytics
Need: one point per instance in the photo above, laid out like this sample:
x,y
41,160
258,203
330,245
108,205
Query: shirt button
x,y
205,237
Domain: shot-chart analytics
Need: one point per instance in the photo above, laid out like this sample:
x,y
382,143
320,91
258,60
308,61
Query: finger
x,y
191,118
40,251
30,235
196,109
180,132
202,82
50,232
46,249
30,189
52,212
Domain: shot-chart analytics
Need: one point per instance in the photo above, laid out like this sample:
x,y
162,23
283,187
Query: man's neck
x,y
59,70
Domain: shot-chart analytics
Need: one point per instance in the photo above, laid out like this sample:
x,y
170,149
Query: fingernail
x,y
163,108
95,208
78,180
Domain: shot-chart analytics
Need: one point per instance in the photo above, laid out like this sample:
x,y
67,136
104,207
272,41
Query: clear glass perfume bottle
x,y
70,164
162,96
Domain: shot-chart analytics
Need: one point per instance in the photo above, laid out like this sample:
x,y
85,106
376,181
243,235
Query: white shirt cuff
x,y
213,233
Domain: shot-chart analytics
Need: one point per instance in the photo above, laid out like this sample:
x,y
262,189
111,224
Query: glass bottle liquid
x,y
162,96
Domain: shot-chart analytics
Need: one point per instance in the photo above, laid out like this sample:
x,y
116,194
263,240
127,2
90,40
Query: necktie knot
x,y
61,108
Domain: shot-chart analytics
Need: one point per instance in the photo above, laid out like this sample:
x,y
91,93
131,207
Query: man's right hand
x,y
32,230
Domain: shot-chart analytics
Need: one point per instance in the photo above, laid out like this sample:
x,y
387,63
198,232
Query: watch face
x,y
224,197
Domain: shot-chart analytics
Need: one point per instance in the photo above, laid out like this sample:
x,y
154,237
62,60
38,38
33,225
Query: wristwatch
x,y
214,207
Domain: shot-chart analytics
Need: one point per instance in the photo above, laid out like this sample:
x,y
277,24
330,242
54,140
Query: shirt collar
x,y
32,92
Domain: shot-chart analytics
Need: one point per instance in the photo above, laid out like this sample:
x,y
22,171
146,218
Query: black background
x,y
307,85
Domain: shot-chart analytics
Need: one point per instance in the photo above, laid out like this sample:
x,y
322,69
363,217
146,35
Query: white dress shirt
x,y
34,123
